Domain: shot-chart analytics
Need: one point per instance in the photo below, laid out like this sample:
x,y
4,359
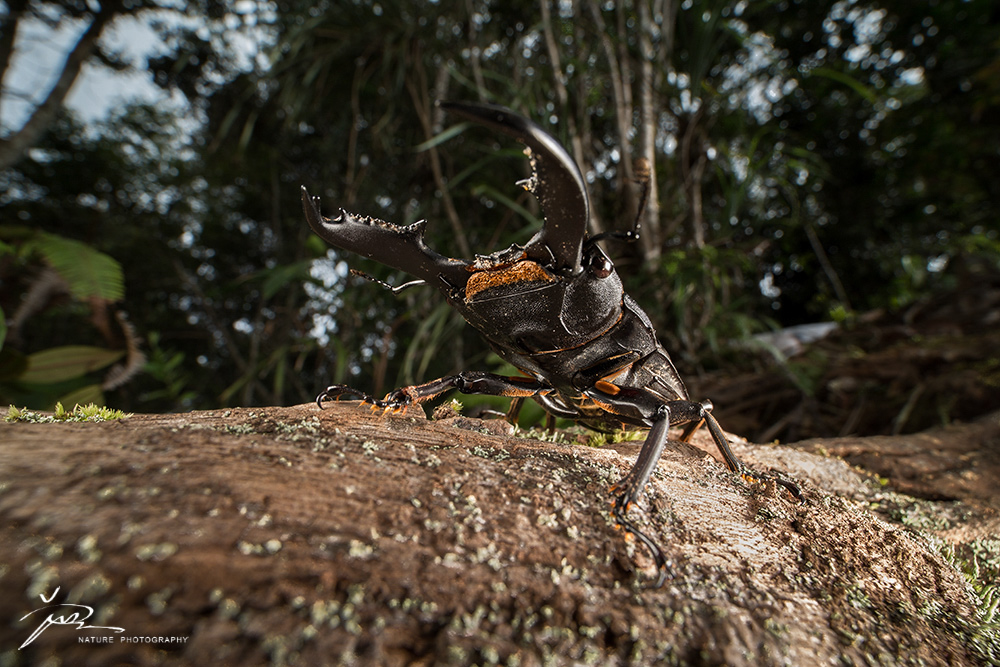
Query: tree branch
x,y
424,109
650,237
15,146
596,226
8,30
623,106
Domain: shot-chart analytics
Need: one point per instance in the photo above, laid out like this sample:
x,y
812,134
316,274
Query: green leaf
x,y
441,137
65,363
854,84
280,276
88,272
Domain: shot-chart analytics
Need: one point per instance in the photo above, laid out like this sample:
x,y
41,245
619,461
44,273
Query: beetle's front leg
x,y
390,402
470,382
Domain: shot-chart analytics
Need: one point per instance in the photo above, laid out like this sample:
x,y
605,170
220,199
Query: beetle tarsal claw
x,y
761,479
791,487
335,391
633,534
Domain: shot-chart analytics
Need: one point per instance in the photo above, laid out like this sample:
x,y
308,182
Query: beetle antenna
x,y
642,177
394,289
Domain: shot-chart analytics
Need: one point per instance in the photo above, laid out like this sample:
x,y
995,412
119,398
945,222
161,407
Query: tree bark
x,y
294,535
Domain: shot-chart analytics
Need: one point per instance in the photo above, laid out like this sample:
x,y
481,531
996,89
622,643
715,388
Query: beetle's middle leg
x,y
469,382
551,411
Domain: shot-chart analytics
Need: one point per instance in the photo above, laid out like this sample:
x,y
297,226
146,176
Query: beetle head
x,y
559,289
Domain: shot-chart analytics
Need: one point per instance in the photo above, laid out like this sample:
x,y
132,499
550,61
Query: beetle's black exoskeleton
x,y
555,309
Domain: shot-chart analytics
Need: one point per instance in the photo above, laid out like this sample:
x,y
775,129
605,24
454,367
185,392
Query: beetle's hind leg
x,y
733,463
660,418
705,418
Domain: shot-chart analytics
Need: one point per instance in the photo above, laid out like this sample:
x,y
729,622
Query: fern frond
x,y
88,272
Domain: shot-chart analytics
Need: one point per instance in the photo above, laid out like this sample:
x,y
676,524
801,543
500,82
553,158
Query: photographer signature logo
x,y
78,617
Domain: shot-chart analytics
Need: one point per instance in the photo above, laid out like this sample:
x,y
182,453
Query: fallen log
x,y
299,536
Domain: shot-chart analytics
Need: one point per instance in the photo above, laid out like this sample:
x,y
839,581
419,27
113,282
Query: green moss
x,y
979,564
535,433
596,439
85,413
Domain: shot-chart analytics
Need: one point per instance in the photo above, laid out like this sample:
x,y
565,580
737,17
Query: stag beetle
x,y
555,309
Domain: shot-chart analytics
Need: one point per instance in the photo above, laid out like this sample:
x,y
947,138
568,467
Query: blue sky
x,y
40,52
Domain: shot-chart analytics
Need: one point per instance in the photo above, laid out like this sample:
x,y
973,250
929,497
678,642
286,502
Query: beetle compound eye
x,y
601,266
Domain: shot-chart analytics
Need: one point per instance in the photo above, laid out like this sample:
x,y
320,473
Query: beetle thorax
x,y
522,306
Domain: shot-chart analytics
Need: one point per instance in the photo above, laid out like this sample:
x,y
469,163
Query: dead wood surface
x,y
886,373
299,536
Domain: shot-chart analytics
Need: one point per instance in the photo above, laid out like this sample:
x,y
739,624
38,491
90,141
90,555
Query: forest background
x,y
812,162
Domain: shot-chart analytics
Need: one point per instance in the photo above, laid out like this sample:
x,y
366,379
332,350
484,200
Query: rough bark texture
x,y
291,535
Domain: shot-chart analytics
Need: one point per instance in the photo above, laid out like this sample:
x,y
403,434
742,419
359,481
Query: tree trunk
x,y
17,144
294,535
